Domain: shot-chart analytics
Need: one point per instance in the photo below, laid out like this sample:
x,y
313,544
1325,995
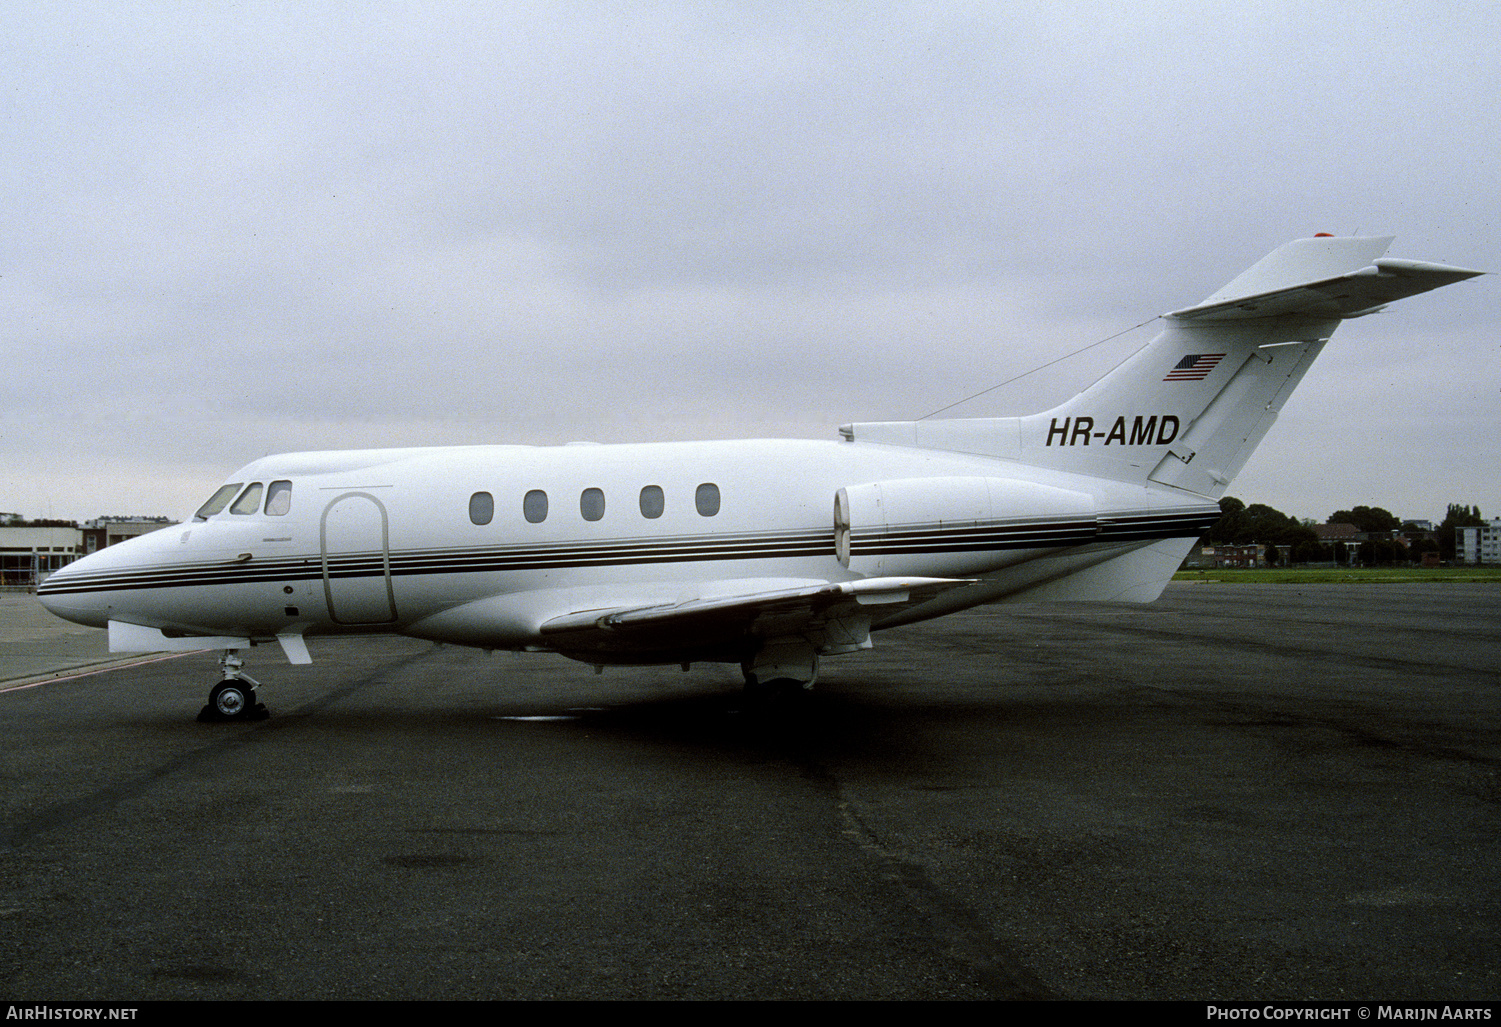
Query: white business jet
x,y
766,553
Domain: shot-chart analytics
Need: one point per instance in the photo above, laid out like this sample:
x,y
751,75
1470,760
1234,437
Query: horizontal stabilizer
x,y
1323,277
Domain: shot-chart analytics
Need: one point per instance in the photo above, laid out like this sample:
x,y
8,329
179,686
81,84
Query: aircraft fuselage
x,y
408,540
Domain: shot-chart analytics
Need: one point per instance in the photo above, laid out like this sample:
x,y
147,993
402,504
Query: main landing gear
x,y
781,671
233,699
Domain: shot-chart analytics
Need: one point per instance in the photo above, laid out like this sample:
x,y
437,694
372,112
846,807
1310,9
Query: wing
x,y
834,616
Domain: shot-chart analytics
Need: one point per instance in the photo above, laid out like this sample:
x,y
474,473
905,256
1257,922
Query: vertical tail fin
x,y
1189,408
1185,411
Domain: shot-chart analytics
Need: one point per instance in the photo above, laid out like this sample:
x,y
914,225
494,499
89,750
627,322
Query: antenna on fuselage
x,y
1041,367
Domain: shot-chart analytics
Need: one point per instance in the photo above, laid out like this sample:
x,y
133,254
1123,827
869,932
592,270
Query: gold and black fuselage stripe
x,y
916,540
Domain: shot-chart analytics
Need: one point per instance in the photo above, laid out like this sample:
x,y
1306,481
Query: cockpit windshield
x,y
279,498
250,502
217,501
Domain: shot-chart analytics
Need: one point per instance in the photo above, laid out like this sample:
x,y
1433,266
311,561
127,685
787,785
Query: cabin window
x,y
250,500
279,498
707,499
592,504
217,501
652,501
534,506
481,508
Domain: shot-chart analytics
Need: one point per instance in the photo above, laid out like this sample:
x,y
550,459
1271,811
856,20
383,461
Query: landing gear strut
x,y
233,699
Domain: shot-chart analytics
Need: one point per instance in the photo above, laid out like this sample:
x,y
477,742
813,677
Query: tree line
x,y
1290,540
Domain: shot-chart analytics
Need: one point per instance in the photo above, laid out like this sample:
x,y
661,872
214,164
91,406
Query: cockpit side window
x,y
249,501
217,501
279,498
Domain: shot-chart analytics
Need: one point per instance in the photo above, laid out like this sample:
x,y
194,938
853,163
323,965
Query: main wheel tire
x,y
774,691
231,700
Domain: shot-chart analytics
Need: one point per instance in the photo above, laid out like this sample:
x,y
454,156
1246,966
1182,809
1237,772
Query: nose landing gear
x,y
233,699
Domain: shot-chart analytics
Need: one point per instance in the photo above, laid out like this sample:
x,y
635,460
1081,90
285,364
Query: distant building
x,y
1227,556
28,554
1337,532
106,531
31,550
1478,545
1340,540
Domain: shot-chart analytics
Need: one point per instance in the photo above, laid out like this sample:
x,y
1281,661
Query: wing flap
x,y
741,611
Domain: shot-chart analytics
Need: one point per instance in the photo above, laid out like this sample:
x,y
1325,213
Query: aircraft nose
x,y
91,589
81,608
70,593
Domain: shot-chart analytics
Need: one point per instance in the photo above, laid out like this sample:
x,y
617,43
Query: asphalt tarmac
x,y
1239,792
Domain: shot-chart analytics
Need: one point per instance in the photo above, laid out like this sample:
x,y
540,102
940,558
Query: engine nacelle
x,y
955,526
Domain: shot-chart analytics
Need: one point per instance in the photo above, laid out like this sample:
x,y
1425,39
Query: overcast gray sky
x,y
237,229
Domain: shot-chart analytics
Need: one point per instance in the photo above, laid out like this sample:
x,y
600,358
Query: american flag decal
x,y
1194,368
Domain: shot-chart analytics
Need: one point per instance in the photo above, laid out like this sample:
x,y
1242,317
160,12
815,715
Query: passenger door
x,y
355,542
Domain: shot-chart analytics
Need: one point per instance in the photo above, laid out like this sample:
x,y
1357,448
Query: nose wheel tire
x,y
229,699
232,700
